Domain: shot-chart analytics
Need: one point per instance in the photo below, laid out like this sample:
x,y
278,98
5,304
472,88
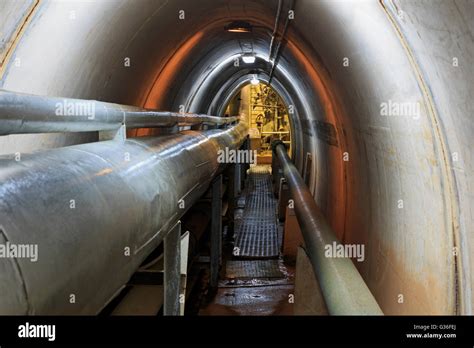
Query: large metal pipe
x,y
25,113
95,212
343,288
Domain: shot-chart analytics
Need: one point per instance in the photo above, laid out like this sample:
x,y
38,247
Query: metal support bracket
x,y
172,270
216,231
119,134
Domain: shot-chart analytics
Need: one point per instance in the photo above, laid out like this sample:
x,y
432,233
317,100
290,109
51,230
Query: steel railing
x,y
343,288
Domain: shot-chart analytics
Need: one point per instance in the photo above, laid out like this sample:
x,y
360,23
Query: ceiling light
x,y
248,58
239,27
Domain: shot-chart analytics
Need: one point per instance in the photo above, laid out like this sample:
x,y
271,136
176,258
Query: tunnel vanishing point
x,y
116,118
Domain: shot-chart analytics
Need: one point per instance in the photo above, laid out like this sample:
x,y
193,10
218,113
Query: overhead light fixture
x,y
248,58
239,27
254,81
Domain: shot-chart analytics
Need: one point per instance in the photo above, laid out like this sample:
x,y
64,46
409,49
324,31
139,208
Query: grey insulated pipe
x,y
25,113
93,212
343,288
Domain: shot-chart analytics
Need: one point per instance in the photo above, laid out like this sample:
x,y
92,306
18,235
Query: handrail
x,y
24,113
343,288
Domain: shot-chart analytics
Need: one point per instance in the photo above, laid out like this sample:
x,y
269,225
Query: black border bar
x,y
243,330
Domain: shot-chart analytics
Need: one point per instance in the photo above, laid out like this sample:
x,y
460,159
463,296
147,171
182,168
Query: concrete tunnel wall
x,y
401,185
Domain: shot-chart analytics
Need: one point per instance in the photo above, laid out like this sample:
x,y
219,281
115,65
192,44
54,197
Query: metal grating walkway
x,y
243,269
257,233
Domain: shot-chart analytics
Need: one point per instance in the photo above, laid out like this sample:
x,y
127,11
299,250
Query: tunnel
x,y
377,96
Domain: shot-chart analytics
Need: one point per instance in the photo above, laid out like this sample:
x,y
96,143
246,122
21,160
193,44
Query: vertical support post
x,y
172,276
231,194
283,198
243,168
184,270
237,179
243,173
216,231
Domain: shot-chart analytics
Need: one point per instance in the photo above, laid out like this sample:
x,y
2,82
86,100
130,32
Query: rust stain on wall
x,y
450,193
16,36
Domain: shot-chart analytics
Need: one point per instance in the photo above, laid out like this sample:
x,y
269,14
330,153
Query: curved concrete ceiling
x,y
402,185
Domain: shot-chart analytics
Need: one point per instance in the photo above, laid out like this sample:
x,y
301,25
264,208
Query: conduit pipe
x,y
25,113
275,30
343,288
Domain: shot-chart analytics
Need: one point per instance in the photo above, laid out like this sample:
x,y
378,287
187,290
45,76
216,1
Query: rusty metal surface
x,y
253,269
